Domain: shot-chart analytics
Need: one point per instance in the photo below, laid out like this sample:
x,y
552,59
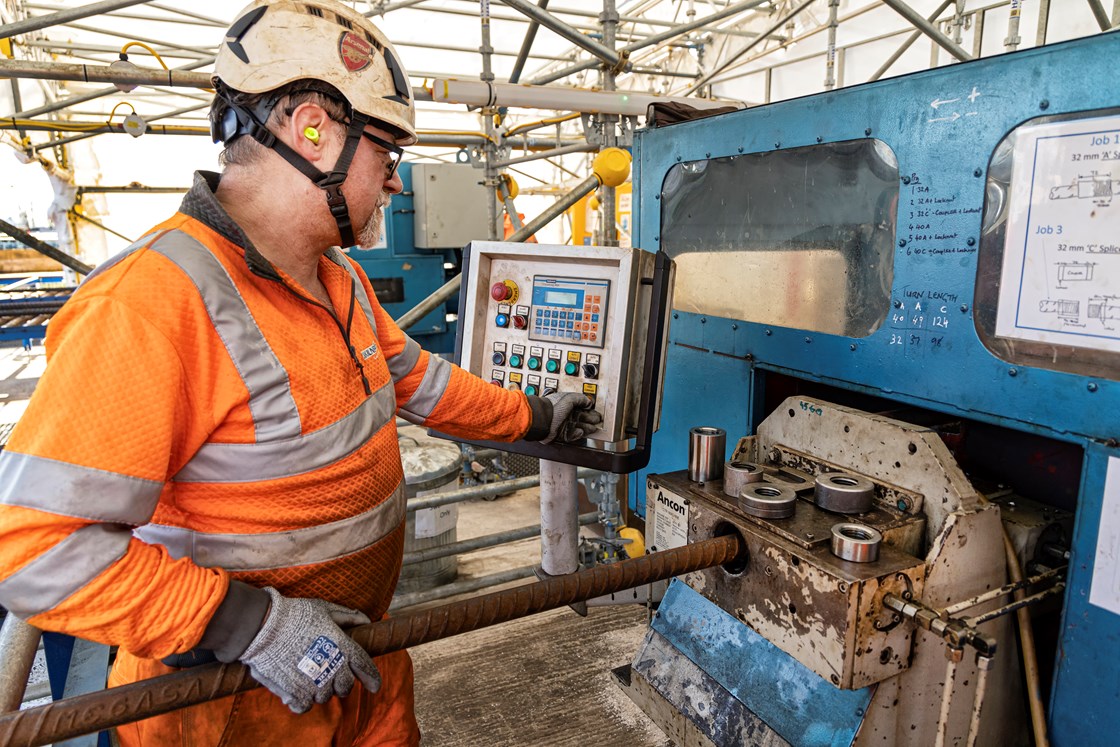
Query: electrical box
x,y
450,204
545,318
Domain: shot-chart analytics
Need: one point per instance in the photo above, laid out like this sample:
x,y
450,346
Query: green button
x,y
531,390
535,363
553,365
515,361
570,368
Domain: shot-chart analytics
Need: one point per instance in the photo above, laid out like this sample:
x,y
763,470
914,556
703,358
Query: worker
x,y
209,468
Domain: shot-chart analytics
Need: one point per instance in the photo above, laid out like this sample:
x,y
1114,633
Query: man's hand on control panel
x,y
567,416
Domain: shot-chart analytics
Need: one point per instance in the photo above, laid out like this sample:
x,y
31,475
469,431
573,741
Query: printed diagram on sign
x,y
1100,188
1072,272
1060,282
1106,310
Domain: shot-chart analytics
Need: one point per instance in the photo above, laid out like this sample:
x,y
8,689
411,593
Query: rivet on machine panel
x,y
734,327
867,132
971,241
964,308
703,320
768,333
1012,372
1092,386
852,347
1044,104
740,149
905,179
820,139
902,242
978,173
778,144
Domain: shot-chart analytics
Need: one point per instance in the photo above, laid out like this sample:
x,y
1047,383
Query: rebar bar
x,y
92,712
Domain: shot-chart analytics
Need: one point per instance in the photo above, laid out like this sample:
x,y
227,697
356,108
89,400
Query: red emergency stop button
x,y
500,292
520,322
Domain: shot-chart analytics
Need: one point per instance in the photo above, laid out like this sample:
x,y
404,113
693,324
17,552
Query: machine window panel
x,y
800,238
1046,280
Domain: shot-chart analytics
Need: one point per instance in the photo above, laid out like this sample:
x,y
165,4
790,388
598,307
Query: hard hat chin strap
x,y
330,182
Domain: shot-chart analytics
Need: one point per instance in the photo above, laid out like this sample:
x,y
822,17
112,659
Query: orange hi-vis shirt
x,y
202,417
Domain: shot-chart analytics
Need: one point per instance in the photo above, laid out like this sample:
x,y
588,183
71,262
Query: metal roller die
x,y
856,542
844,493
738,474
767,501
706,449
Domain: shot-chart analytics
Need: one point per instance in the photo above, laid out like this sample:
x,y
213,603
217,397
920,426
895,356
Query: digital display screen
x,y
560,298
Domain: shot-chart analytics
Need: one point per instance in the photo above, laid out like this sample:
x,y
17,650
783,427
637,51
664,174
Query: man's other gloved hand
x,y
302,655
572,417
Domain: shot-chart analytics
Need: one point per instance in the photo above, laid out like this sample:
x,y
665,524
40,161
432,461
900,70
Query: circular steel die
x,y
767,500
738,474
706,447
857,543
844,493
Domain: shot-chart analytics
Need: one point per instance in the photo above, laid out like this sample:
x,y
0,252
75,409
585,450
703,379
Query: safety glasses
x,y
395,153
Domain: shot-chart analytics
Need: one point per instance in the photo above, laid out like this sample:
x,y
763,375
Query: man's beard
x,y
370,235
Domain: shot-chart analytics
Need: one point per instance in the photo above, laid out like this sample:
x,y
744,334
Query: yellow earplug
x,y
311,134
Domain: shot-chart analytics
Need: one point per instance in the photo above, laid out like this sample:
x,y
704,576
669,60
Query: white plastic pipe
x,y
481,93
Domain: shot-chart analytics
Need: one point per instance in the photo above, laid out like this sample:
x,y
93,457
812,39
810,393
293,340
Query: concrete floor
x,y
541,680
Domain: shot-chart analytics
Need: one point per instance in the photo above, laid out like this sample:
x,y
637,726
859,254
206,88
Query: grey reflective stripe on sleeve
x,y
431,389
335,255
71,490
131,248
233,463
58,573
268,550
274,411
401,364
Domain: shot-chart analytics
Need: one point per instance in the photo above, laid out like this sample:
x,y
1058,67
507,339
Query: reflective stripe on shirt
x,y
64,569
269,550
72,490
401,364
274,411
430,391
231,463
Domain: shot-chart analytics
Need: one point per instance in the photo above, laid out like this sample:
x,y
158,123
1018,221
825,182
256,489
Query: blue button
x,y
579,315
569,325
538,312
594,317
501,320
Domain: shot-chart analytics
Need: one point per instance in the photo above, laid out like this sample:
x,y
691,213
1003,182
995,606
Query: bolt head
x,y
867,132
901,243
905,180
971,241
964,307
1044,104
1012,372
1092,386
978,173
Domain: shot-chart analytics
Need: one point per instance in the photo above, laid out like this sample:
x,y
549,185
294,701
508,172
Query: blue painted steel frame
x,y
711,363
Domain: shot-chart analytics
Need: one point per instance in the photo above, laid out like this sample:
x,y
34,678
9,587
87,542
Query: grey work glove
x,y
572,417
302,655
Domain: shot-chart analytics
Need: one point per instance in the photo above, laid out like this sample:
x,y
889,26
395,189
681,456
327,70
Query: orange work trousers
x,y
258,718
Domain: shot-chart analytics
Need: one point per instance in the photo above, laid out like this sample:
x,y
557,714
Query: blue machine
x,y
403,275
942,249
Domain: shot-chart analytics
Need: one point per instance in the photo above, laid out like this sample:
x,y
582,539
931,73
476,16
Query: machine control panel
x,y
545,319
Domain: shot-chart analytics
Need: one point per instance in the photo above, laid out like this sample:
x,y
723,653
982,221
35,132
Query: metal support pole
x,y
481,491
830,58
511,209
1043,22
958,21
564,150
489,147
44,248
139,700
84,135
102,74
63,16
1098,13
18,642
762,37
526,45
559,518
608,234
451,287
928,29
549,21
650,41
1011,43
481,543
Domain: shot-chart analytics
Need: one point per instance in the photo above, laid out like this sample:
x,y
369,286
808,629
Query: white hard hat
x,y
275,42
